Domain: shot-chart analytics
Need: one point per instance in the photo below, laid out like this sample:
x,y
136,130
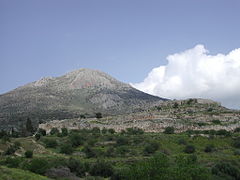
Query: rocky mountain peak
x,y
89,78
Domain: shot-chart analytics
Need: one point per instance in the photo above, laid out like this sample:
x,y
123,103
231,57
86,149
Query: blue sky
x,y
125,38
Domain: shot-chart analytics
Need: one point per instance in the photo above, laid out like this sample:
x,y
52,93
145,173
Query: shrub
x,y
28,154
54,131
13,162
182,141
122,141
225,168
104,131
209,148
38,166
101,168
42,132
150,148
111,131
11,149
88,151
98,115
3,133
76,140
175,105
122,150
237,152
64,131
237,130
189,149
216,121
77,167
37,136
134,131
96,130
66,149
50,143
169,130
223,132
236,142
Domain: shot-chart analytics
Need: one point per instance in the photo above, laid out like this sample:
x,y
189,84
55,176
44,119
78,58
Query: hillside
x,y
130,154
81,92
183,115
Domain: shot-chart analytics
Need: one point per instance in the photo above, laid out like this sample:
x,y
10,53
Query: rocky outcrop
x,y
194,114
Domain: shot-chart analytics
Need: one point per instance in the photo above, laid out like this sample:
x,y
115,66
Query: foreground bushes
x,y
159,167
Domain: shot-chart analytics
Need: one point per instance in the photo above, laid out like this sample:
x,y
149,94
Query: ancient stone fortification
x,y
195,114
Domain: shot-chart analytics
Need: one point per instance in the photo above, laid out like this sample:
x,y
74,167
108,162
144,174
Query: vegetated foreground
x,y
129,154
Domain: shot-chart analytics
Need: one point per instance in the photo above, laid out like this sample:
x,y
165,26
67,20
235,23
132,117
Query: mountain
x,y
80,93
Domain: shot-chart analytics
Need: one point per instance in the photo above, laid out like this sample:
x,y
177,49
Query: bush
x,y
89,152
104,131
77,167
216,121
64,131
150,148
50,143
122,141
209,148
76,140
28,154
224,169
13,162
169,130
189,149
111,131
54,131
223,132
38,166
101,168
182,141
236,142
66,149
11,149
122,150
237,130
96,130
37,136
134,131
98,115
42,132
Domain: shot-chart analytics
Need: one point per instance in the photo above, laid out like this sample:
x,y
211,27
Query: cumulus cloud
x,y
196,73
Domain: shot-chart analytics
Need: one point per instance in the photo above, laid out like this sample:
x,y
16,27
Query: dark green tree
x,y
29,126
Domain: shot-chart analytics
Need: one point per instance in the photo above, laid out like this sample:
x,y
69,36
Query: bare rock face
x,y
83,91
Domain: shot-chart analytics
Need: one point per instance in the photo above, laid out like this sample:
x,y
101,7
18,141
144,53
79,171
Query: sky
x,y
128,39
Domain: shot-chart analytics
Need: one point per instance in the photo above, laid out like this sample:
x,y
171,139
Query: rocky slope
x,y
193,114
81,92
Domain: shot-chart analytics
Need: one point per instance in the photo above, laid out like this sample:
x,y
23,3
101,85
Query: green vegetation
x,y
129,154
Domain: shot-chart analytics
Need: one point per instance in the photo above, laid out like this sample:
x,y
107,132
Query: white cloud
x,y
195,73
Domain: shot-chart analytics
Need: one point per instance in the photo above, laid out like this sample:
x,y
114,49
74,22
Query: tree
x,y
169,130
37,136
42,132
111,131
64,131
28,154
54,131
98,115
189,149
66,149
29,126
101,168
209,148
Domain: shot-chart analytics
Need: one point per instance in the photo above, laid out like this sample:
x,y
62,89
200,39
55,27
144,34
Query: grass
x,y
18,174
